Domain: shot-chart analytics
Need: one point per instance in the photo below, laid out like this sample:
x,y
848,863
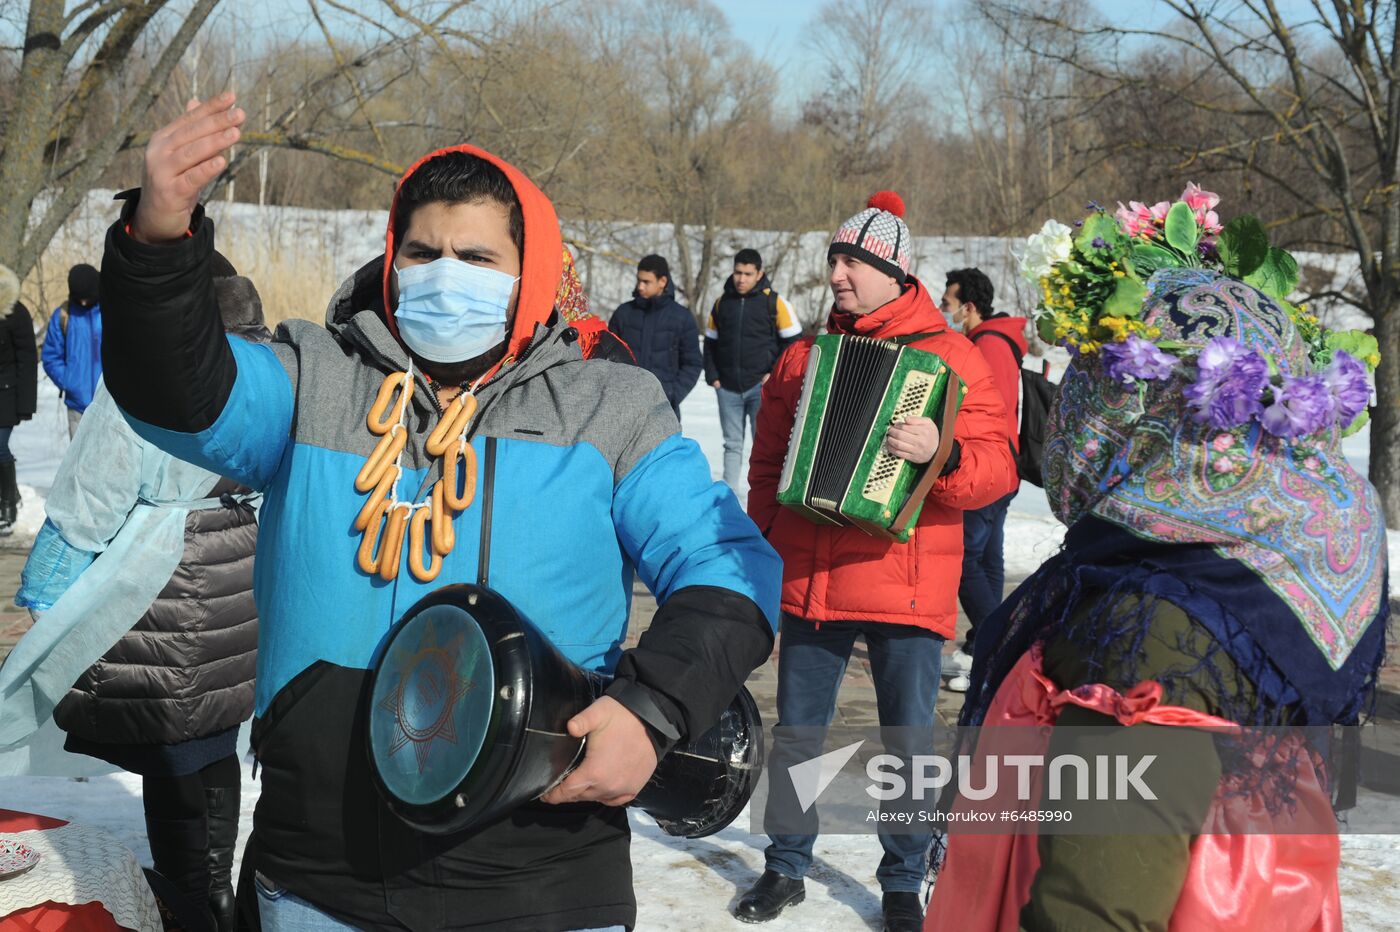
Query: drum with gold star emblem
x,y
469,704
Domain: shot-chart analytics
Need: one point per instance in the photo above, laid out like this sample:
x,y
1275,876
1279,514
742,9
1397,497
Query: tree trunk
x,y
36,100
1385,420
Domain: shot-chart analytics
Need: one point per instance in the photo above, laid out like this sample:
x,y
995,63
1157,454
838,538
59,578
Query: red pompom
x,y
887,201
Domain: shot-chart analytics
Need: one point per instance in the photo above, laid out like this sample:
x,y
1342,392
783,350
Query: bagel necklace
x,y
385,520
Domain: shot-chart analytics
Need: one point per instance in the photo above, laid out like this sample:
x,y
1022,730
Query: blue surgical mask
x,y
452,311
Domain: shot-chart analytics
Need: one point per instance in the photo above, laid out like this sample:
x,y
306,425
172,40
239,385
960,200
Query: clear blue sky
x,y
775,28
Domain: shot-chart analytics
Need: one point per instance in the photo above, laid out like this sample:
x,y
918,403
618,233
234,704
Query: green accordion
x,y
837,470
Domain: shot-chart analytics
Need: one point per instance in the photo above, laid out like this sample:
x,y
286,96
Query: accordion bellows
x,y
837,470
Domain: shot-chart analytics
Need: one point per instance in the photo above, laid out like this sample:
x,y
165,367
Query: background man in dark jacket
x,y
73,344
661,332
748,328
19,378
967,300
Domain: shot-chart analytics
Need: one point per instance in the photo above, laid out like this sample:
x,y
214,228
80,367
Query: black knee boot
x,y
223,840
9,498
180,850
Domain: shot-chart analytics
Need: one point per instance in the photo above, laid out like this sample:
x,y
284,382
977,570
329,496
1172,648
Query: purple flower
x,y
1301,406
1135,359
1099,243
1346,380
1230,380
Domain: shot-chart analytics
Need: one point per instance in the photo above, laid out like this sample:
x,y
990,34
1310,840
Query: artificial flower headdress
x,y
1093,282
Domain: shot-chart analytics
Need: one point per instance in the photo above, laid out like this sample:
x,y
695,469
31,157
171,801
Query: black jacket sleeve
x,y
688,358
26,361
164,355
703,643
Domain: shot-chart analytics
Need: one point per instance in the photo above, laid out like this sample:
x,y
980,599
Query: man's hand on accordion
x,y
618,759
914,439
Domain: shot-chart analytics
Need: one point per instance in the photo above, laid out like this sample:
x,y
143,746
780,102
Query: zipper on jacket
x,y
488,487
739,345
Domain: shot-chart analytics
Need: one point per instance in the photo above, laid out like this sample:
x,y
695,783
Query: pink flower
x,y
1312,464
1199,200
1134,218
1209,222
1223,442
1158,212
1224,465
1091,448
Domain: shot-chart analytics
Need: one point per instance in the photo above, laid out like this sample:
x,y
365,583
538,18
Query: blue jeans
x,y
905,663
734,409
5,455
281,911
983,571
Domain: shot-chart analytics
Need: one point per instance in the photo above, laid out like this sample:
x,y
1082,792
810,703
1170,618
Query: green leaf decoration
x,y
1277,276
1045,328
1148,258
1355,426
1181,229
1356,342
1097,226
1127,298
1243,246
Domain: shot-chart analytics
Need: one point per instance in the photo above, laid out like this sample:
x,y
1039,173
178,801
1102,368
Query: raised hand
x,y
181,159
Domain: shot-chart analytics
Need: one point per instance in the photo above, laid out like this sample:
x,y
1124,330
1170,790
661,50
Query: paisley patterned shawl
x,y
1292,575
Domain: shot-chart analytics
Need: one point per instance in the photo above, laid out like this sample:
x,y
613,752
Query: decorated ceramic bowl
x,y
15,858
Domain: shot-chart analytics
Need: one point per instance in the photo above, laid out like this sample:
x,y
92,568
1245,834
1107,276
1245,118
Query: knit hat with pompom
x,y
876,236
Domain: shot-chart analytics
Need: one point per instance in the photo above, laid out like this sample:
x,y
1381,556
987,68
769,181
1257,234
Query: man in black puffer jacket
x,y
748,329
660,331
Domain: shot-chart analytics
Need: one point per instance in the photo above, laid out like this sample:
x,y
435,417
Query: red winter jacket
x,y
841,573
1006,371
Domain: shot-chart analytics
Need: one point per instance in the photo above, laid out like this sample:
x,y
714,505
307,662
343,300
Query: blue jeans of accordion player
x,y
905,662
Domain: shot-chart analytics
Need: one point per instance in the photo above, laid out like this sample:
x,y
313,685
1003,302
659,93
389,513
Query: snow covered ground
x,y
680,884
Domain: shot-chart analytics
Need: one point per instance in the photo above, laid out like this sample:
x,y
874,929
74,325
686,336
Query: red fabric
x,y
1006,371
59,917
14,821
50,916
836,573
540,267
1235,881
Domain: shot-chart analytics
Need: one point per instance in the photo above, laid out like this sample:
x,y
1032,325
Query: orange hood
x,y
540,267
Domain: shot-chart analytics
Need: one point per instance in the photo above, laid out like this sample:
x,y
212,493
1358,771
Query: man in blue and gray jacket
x,y
584,482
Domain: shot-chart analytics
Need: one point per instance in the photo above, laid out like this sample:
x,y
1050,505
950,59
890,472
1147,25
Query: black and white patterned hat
x,y
876,236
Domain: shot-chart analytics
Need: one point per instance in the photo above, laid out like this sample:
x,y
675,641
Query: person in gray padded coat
x,y
167,699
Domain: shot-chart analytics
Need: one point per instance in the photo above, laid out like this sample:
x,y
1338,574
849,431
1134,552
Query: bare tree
x,y
59,90
1311,107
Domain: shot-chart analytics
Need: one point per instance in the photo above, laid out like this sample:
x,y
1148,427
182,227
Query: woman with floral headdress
x,y
1224,567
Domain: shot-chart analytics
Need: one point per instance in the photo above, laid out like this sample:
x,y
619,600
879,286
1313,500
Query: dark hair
x,y
749,257
975,288
458,178
656,265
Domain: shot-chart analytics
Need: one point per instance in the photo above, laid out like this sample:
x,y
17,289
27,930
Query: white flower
x,y
1044,251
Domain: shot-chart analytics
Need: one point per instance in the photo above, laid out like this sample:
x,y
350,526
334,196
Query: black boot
x,y
180,850
903,912
767,898
223,839
9,498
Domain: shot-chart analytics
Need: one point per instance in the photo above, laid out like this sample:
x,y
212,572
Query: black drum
x,y
469,703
